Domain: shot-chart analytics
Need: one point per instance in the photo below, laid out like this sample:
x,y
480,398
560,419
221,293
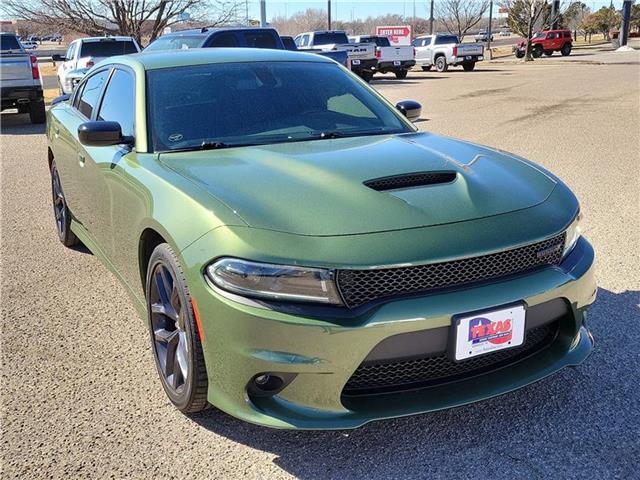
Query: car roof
x,y
198,56
104,39
205,32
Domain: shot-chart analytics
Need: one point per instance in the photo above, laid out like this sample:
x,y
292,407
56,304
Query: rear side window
x,y
91,93
330,38
107,48
119,100
382,42
9,42
446,39
260,40
224,40
175,42
288,42
567,34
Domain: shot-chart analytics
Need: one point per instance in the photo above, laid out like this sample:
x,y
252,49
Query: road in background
x,y
80,393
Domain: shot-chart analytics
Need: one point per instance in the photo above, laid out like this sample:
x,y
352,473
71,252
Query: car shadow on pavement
x,y
19,124
578,423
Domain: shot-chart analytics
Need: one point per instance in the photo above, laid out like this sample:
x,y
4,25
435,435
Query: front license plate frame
x,y
487,331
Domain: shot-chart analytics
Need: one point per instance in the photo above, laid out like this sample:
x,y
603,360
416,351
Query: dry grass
x,y
48,69
50,94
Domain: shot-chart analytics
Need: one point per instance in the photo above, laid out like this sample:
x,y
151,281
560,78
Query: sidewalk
x,y
602,54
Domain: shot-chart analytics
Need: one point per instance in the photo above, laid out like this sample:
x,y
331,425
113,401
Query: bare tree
x,y
136,18
459,16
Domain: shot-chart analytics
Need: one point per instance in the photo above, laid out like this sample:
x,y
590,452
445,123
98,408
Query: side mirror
x,y
56,57
410,109
61,98
102,134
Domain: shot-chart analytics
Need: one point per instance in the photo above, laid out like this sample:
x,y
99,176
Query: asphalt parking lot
x,y
80,394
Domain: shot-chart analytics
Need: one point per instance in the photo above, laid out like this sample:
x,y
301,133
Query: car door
x,y
103,165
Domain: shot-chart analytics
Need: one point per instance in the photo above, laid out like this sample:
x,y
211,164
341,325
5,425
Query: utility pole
x,y
555,14
624,27
489,31
263,13
328,14
431,19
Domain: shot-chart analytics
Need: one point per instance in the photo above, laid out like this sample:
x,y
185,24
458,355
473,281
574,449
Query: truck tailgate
x,y
358,51
397,53
469,49
15,67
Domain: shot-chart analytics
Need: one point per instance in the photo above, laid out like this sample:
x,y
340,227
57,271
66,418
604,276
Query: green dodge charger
x,y
304,256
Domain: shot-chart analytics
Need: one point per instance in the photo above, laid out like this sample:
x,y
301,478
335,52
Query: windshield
x,y
540,35
9,42
260,103
330,38
107,48
176,42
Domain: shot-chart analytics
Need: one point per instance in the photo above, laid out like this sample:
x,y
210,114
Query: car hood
x,y
318,187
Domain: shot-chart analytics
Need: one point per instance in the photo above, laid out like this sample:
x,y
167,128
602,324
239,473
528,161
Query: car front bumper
x,y
242,340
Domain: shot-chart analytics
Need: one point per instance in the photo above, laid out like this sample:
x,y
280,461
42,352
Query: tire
x,y
61,211
366,76
400,74
519,54
175,340
566,49
468,67
548,53
441,64
426,68
537,52
37,112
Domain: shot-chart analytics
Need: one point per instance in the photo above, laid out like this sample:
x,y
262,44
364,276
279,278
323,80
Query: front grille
x,y
371,378
409,180
361,286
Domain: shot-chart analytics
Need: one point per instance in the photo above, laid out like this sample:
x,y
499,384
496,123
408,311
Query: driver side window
x,y
91,93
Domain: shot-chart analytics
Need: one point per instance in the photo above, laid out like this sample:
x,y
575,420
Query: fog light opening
x,y
267,384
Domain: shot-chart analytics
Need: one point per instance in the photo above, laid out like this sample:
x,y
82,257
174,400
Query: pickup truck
x,y
443,50
339,56
482,36
397,59
362,56
20,83
86,52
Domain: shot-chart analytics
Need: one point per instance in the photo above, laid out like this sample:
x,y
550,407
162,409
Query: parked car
x,y
397,59
547,42
444,50
362,56
505,33
251,37
86,52
29,45
20,82
482,36
303,256
339,56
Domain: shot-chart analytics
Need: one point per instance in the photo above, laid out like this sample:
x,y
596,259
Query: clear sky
x,y
348,9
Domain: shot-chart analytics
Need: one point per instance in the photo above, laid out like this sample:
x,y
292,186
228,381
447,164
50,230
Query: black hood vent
x,y
410,180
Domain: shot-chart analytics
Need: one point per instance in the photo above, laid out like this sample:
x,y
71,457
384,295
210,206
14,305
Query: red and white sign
x,y
398,35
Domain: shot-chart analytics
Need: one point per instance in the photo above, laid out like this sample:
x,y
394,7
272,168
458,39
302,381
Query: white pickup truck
x,y
362,56
391,58
20,83
85,52
444,50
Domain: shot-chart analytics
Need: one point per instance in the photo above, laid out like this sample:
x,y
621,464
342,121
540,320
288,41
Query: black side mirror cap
x,y
56,57
410,109
102,134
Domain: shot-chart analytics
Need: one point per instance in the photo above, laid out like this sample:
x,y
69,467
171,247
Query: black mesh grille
x,y
410,180
361,286
372,378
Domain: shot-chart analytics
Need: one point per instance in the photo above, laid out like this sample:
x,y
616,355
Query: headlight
x,y
573,234
276,282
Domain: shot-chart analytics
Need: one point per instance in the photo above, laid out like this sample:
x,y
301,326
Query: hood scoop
x,y
410,180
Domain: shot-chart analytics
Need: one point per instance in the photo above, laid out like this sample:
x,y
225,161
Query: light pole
x,y
263,13
328,14
431,19
489,32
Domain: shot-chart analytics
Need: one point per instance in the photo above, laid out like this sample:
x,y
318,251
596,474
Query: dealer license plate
x,y
396,63
355,62
489,331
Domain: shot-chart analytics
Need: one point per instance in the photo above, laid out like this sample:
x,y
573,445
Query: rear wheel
x,y
566,49
366,76
426,68
468,66
441,64
174,333
37,112
61,211
401,74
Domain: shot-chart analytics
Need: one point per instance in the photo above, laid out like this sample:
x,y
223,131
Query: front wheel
x,y
175,336
61,211
537,51
441,64
468,66
400,74
566,49
519,54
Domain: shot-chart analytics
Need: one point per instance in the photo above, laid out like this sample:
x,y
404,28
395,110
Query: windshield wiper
x,y
330,135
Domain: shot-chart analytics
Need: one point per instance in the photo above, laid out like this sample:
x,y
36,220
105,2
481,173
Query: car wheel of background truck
x,y
366,76
441,64
175,336
548,53
426,68
537,51
468,66
61,211
37,112
401,74
566,49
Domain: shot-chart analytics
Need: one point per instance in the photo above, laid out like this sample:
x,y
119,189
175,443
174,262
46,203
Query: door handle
x,y
81,159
